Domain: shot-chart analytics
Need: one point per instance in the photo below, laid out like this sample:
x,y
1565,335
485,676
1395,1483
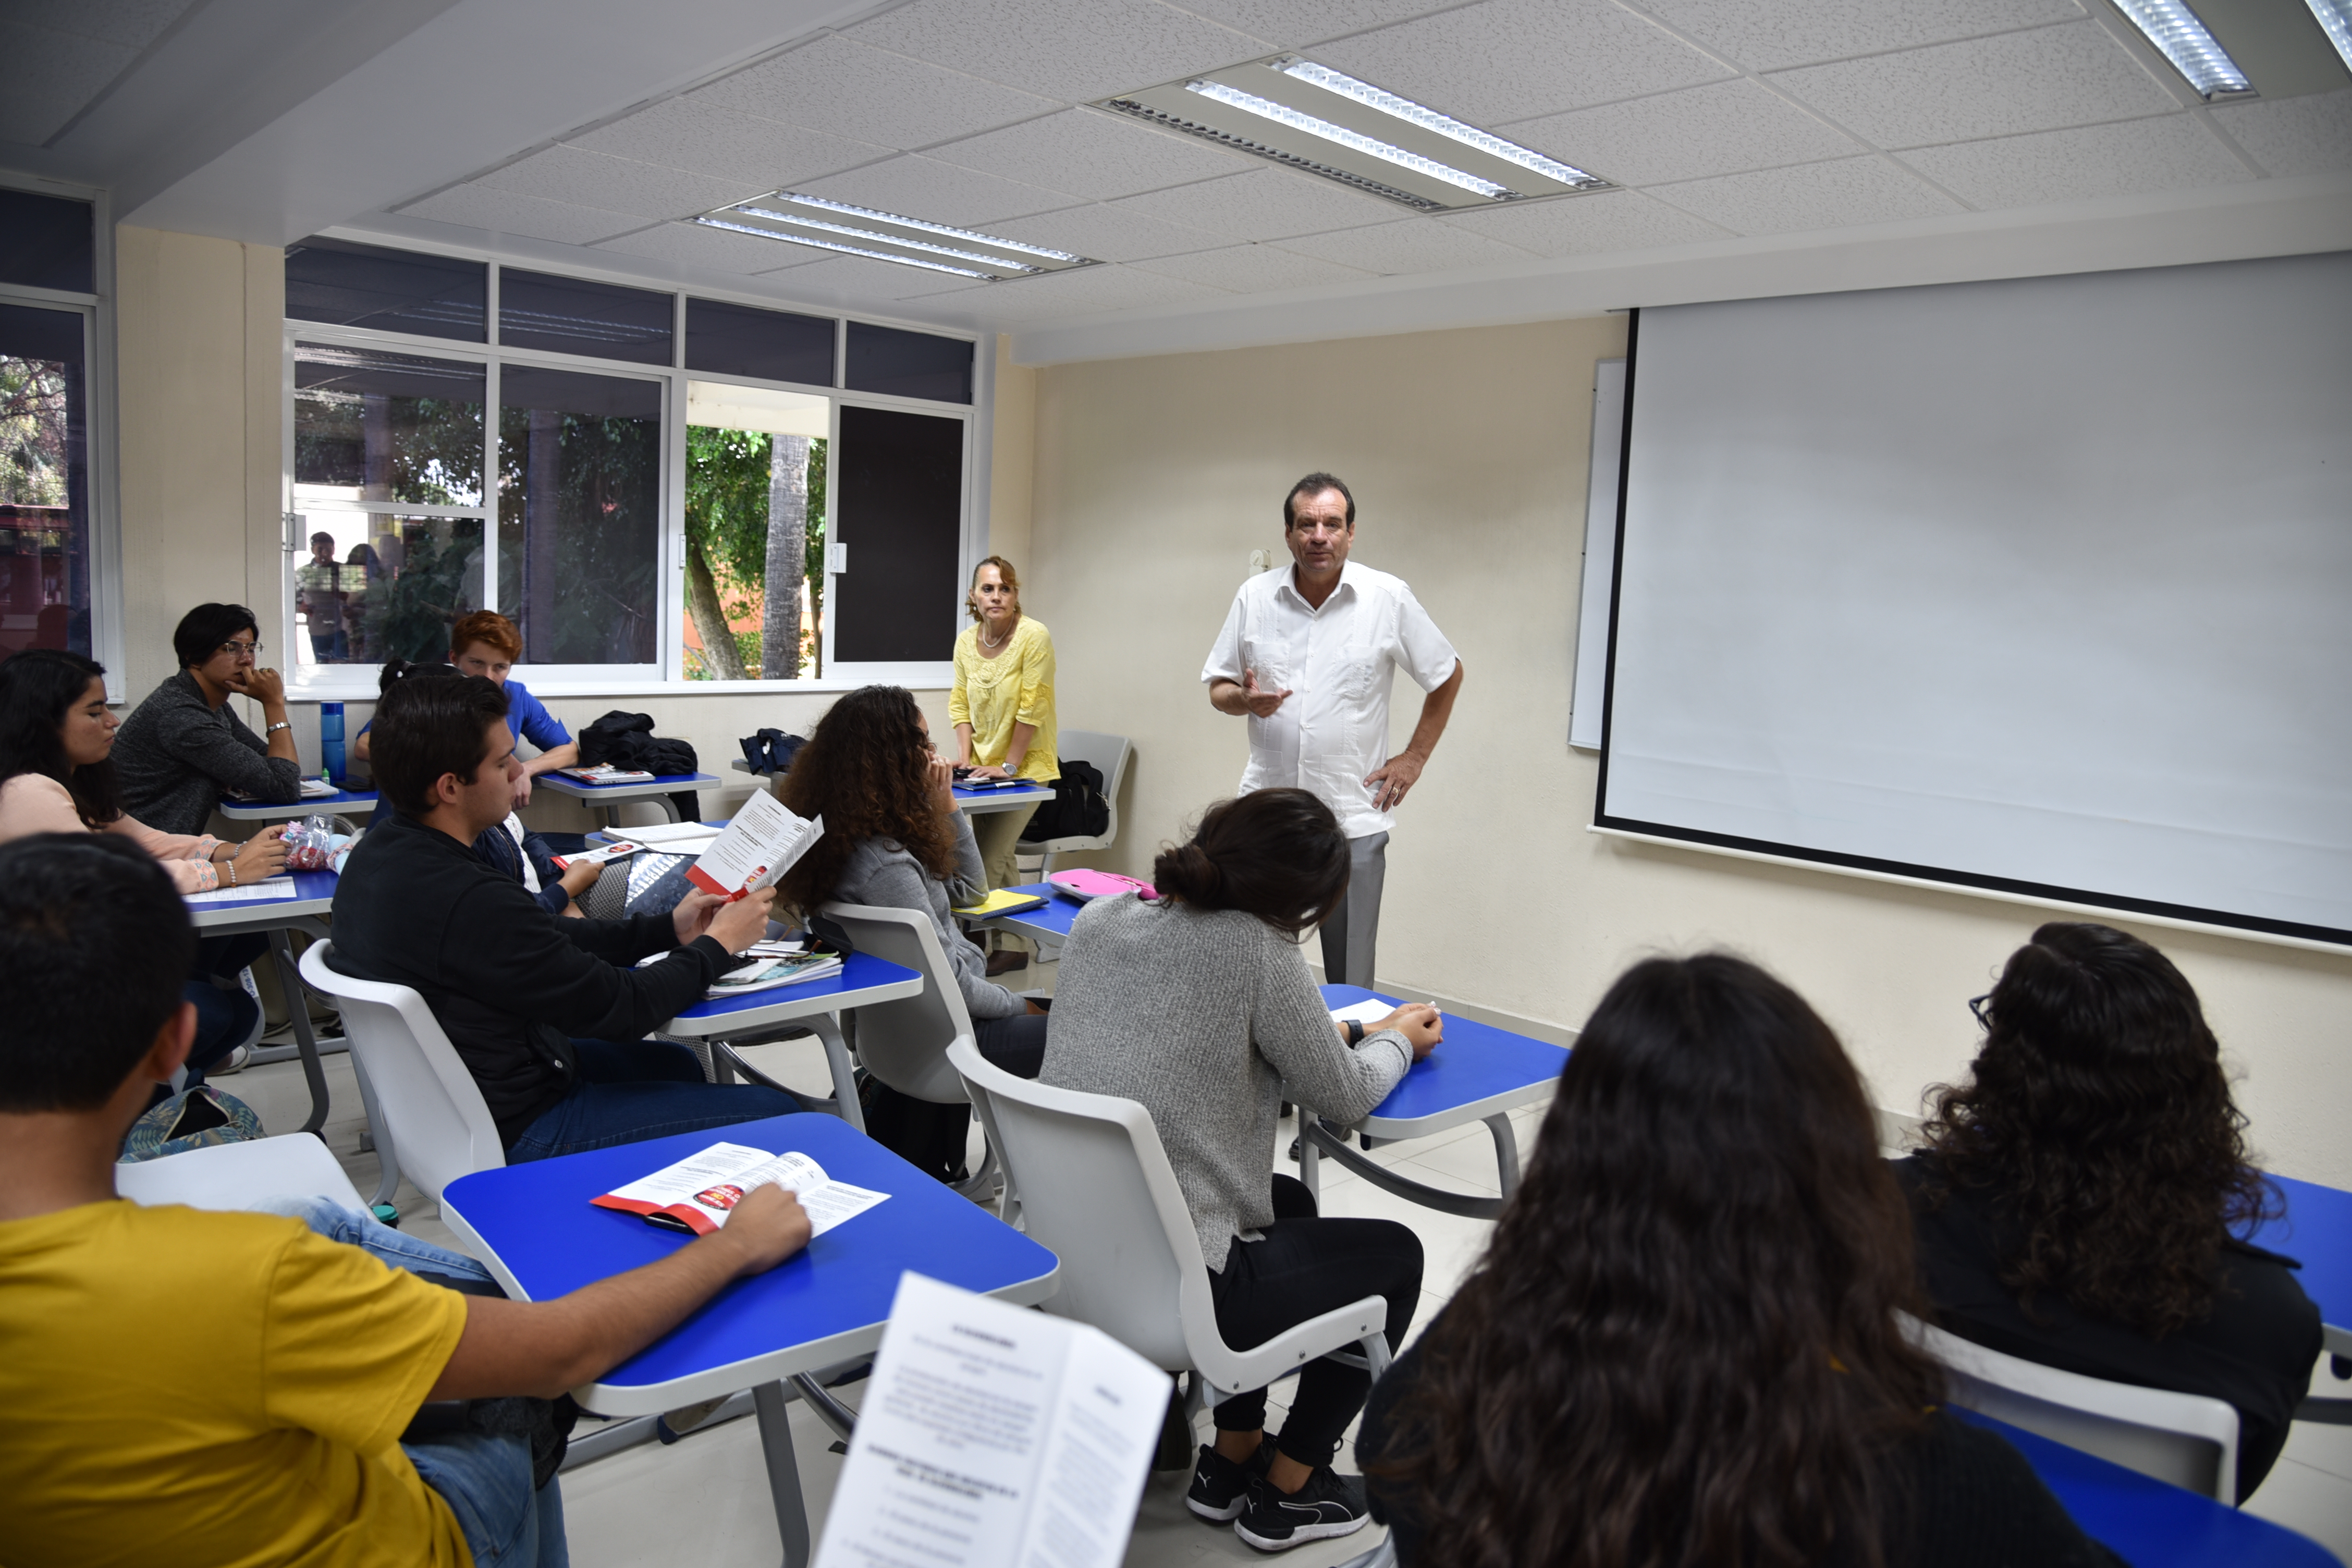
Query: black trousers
x,y
1303,1268
932,1137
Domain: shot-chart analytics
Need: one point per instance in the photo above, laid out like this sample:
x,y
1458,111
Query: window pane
x,y
775,345
46,242
579,514
390,290
44,481
375,586
755,519
573,316
909,365
901,498
376,426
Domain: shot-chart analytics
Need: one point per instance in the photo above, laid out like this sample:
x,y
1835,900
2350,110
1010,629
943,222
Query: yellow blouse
x,y
1016,686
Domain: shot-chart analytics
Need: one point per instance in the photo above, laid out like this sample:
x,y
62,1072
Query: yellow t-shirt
x,y
218,1389
1016,686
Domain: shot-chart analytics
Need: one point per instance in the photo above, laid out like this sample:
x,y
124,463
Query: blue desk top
x,y
660,784
313,891
2150,1523
1476,1070
2317,1233
342,803
859,971
831,1300
1051,919
1003,791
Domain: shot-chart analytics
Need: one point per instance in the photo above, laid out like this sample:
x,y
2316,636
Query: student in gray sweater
x,y
183,748
1199,1005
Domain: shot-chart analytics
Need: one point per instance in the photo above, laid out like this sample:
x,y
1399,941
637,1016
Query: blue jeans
x,y
484,1478
630,1091
225,1013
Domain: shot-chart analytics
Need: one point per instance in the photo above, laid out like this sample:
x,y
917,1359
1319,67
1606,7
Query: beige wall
x,y
1154,479
1013,472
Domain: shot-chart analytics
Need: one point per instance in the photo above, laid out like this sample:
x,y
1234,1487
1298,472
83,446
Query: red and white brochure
x,y
699,1192
754,849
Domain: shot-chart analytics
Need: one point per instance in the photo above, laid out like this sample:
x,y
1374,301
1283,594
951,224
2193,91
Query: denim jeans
x,y
484,1478
225,1013
632,1090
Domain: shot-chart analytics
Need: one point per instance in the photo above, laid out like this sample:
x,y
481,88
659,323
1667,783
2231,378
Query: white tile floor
x,y
703,1503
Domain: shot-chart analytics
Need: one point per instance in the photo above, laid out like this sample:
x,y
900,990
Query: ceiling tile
x,y
1254,269
2076,74
1082,294
2171,152
1268,203
1512,59
1074,49
50,76
133,23
847,90
1415,244
935,193
1288,23
1092,155
2294,135
505,211
692,245
582,178
1108,234
687,133
1799,32
1838,195
858,277
1580,225
1720,129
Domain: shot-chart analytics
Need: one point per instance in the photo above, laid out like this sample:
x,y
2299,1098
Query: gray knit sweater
x,y
177,753
1208,1018
881,871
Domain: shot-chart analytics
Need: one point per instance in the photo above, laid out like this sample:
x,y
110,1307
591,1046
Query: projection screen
x,y
2040,587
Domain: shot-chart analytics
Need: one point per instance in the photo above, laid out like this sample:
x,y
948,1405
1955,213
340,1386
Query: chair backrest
x,y
2187,1439
238,1176
440,1128
905,1043
1108,753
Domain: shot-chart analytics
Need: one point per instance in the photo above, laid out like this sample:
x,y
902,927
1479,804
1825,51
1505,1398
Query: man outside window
x,y
319,593
1305,656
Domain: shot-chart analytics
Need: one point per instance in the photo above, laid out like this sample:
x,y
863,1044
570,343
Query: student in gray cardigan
x,y
1199,1005
183,748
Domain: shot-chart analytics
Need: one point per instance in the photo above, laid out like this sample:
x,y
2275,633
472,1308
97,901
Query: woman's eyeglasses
x,y
1977,1006
239,649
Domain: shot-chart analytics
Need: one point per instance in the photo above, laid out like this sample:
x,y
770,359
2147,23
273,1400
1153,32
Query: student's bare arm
x,y
546,1347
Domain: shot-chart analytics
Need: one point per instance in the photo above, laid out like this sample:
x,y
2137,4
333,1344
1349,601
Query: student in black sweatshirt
x,y
548,1013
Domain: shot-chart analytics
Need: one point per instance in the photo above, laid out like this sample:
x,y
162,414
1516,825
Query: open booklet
x,y
698,1193
993,1438
755,850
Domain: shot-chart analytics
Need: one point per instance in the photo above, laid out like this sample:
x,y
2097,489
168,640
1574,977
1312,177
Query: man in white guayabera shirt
x,y
1306,654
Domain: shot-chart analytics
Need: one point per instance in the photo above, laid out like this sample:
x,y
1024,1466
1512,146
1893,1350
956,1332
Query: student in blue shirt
x,y
486,644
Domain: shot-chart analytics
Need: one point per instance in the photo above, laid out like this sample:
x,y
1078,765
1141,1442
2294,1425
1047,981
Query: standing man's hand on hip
x,y
1390,781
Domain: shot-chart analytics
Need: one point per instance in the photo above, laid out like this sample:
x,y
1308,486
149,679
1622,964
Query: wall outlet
x,y
1261,560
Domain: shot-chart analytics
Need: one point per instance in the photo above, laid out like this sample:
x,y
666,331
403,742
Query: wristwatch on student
x,y
281,724
1355,1031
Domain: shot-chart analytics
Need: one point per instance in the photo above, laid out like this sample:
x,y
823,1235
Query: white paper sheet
x,y
711,1183
250,892
1368,1012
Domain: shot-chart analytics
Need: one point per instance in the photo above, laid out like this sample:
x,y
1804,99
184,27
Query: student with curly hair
x,y
1685,1345
2082,1197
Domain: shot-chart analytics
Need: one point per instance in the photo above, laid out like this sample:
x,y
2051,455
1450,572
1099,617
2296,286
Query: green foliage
x,y
434,445
727,503
33,419
409,616
605,498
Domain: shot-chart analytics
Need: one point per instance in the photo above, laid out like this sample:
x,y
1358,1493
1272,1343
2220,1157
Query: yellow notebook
x,y
1003,902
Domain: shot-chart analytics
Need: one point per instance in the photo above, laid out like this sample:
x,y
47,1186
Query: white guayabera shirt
x,y
1337,663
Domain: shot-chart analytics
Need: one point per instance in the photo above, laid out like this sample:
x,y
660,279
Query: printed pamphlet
x,y
698,1193
606,773
755,850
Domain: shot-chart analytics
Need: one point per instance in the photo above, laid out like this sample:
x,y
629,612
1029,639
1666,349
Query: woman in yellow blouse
x,y
1002,706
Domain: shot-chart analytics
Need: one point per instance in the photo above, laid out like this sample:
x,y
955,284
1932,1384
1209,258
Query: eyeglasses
x,y
1977,1006
241,648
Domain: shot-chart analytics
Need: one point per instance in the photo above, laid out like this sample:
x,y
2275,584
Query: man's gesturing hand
x,y
1259,701
1392,779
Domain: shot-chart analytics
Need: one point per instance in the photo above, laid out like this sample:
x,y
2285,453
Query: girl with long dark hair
x,y
2082,1196
1685,1343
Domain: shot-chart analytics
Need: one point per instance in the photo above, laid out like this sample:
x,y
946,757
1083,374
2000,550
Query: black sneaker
x,y
1220,1488
1330,1504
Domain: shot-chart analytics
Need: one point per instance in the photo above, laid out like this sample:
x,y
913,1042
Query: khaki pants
x,y
998,834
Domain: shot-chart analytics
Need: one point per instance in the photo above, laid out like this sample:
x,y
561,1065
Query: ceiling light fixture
x,y
869,235
709,222
1283,114
1445,125
2177,33
2334,18
927,228
797,219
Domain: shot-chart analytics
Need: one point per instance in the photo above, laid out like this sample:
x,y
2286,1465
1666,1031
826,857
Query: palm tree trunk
x,y
780,614
718,649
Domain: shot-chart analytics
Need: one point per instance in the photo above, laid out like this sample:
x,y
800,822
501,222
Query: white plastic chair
x,y
433,1118
2190,1440
238,1176
1109,754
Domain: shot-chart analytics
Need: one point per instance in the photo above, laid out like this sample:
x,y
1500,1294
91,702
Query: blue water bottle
x,y
331,740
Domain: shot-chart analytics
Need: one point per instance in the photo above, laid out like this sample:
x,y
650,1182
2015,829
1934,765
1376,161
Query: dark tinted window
x,y
741,340
351,285
898,506
909,365
579,514
573,316
46,242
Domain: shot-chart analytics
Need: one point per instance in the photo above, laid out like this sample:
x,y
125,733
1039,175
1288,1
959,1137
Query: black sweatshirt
x,y
511,984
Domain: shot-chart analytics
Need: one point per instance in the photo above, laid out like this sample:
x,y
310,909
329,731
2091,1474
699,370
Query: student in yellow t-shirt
x,y
280,1441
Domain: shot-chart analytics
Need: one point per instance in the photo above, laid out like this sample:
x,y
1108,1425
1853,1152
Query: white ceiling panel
x,y
1108,234
858,279
1800,32
1415,244
1723,128
2171,152
1513,59
1092,155
1254,269
1580,225
847,90
2075,74
1086,291
935,193
49,76
688,133
1289,24
1839,194
1073,49
693,245
506,212
1269,204
2294,135
586,179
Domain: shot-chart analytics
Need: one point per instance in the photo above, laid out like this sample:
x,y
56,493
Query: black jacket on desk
x,y
2255,1353
511,984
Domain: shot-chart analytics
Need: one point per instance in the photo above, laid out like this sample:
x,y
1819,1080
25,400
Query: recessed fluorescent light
x,y
988,239
829,245
793,218
2335,17
869,235
1298,120
1428,119
2175,30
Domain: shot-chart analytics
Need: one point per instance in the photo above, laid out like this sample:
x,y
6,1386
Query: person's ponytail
x,y
1277,854
1186,873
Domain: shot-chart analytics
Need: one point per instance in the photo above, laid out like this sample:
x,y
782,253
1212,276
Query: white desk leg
x,y
667,810
1506,1152
845,1077
297,1008
784,1471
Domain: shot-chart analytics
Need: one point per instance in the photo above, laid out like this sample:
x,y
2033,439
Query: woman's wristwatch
x,y
281,724
1355,1031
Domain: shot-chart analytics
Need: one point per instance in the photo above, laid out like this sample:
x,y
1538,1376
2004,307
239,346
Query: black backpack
x,y
1077,809
627,740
